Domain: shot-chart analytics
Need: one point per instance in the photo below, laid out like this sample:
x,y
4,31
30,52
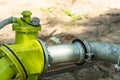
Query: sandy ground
x,y
99,21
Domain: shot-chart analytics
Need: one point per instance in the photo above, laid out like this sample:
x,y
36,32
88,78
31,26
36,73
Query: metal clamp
x,y
88,57
87,51
117,66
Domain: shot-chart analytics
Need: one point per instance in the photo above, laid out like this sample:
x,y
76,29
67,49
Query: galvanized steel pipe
x,y
66,53
76,53
105,51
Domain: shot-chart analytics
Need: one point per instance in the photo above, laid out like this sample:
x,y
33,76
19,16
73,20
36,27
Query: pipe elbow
x,y
8,21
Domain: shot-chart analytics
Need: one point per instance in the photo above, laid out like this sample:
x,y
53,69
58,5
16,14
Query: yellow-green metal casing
x,y
31,56
24,31
27,55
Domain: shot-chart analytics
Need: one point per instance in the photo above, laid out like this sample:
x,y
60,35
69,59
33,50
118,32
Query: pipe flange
x,y
46,54
87,51
84,51
22,74
88,48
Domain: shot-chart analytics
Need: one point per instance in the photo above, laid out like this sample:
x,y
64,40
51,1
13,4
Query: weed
x,y
110,30
76,17
42,9
67,27
68,12
49,9
85,16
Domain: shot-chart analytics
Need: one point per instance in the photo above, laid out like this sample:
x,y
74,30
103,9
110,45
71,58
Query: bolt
x,y
11,64
17,76
2,54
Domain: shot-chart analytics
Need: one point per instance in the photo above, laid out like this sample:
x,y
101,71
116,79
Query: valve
x,y
25,58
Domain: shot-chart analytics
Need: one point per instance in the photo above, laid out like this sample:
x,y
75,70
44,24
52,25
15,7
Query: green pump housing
x,y
25,58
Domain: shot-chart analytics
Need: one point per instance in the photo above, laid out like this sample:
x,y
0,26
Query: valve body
x,y
25,58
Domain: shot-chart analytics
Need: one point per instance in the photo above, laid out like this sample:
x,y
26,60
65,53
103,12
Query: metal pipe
x,y
7,21
75,52
105,51
4,22
66,53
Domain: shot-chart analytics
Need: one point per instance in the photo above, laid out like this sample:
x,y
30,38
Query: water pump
x,y
30,57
